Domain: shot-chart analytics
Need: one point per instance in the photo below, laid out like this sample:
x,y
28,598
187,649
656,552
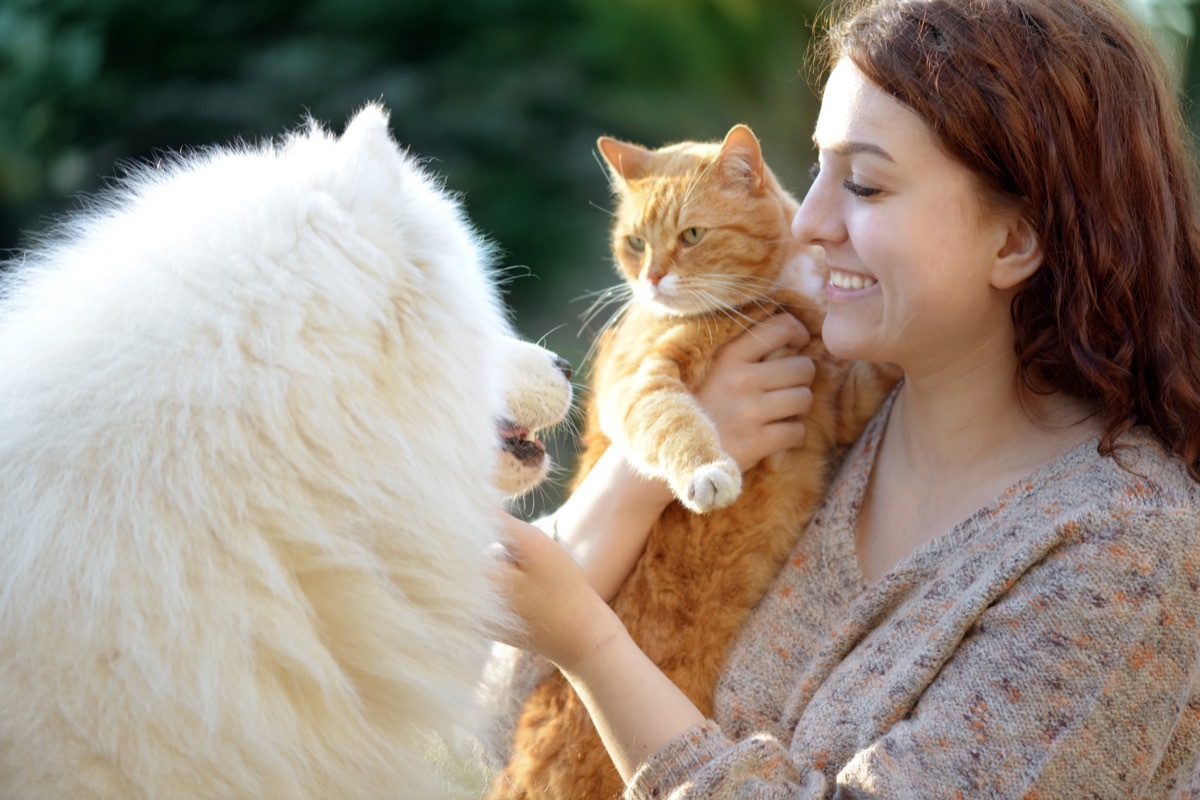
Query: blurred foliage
x,y
504,97
1173,25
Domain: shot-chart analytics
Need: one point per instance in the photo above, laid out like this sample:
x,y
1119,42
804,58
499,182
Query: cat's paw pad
x,y
713,486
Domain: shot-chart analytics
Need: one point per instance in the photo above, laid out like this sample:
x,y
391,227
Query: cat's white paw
x,y
714,485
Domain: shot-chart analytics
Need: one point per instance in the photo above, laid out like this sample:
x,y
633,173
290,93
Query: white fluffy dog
x,y
248,441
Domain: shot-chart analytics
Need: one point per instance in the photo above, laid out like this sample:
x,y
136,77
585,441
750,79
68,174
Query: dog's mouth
x,y
521,443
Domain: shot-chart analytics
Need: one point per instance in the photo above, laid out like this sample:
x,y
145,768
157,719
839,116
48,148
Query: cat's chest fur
x,y
690,342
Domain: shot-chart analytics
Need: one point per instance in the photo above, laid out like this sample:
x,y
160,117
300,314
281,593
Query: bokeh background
x,y
505,98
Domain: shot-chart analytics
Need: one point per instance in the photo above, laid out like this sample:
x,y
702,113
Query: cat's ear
x,y
740,160
625,161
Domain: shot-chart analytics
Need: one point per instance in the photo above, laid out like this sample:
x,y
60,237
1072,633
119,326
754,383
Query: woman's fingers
x,y
524,545
747,391
785,435
783,404
764,338
787,372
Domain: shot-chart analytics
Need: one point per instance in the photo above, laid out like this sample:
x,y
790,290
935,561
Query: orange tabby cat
x,y
702,233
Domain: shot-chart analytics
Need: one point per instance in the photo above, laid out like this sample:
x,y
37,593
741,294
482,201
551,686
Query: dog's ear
x,y
369,128
368,136
368,167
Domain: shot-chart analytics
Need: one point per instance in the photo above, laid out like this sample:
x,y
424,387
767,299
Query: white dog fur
x,y
248,411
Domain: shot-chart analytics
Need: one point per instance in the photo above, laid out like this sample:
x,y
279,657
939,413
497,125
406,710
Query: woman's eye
x,y
858,190
854,188
692,235
636,243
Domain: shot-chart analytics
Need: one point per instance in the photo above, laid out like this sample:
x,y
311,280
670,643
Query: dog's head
x,y
537,396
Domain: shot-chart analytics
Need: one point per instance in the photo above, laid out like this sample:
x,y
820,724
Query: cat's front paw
x,y
712,486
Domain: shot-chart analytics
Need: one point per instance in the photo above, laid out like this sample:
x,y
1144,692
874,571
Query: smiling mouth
x,y
850,280
524,446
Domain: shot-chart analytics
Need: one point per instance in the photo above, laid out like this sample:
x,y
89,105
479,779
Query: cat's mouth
x,y
521,443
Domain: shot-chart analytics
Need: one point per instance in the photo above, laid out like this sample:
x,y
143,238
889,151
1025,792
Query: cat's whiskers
x,y
611,214
616,317
604,298
722,291
763,286
734,313
708,324
608,291
621,293
746,321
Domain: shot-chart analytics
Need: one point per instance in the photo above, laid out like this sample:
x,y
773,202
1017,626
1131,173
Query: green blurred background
x,y
505,97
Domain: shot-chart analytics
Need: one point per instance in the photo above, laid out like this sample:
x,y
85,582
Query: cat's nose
x,y
564,367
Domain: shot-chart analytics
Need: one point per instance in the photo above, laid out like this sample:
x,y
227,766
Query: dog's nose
x,y
564,366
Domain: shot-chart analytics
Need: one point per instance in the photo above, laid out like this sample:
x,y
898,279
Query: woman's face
x,y
909,247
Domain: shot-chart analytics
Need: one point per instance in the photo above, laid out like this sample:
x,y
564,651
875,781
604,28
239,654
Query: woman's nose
x,y
817,220
797,225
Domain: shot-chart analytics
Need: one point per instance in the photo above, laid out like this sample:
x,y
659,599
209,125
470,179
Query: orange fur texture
x,y
701,234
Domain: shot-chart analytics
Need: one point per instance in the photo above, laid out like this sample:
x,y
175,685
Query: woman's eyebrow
x,y
852,148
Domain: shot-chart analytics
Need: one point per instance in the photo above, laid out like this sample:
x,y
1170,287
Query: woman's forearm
x,y
605,521
636,709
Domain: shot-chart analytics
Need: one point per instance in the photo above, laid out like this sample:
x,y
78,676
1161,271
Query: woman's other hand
x,y
563,618
635,707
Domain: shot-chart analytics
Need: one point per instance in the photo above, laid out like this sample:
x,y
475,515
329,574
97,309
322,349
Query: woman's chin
x,y
849,341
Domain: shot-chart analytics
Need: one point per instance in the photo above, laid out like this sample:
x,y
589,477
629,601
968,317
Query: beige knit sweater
x,y
1047,647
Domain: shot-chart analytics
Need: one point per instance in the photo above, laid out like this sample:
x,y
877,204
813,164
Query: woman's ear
x,y
1019,257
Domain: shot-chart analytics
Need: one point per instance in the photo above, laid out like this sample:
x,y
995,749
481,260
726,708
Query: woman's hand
x,y
757,389
635,707
563,618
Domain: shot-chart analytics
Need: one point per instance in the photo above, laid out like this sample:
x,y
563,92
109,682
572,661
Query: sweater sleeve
x,y
704,763
1079,681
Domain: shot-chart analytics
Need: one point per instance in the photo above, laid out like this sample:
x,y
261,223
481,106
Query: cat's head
x,y
699,226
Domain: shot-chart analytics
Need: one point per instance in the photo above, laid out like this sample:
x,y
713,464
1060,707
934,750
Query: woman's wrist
x,y
595,631
632,489
605,522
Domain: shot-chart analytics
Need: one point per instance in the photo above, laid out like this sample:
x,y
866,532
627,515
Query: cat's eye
x,y
692,235
636,243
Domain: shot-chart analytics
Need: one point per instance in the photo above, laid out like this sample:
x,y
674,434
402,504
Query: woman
x,y
999,597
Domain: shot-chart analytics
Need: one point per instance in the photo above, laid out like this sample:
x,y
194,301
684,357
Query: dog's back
x,y
246,443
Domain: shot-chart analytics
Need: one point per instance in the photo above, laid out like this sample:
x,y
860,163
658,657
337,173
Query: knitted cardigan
x,y
1046,647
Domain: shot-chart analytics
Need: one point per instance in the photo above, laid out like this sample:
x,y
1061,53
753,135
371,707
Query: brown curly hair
x,y
1065,107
